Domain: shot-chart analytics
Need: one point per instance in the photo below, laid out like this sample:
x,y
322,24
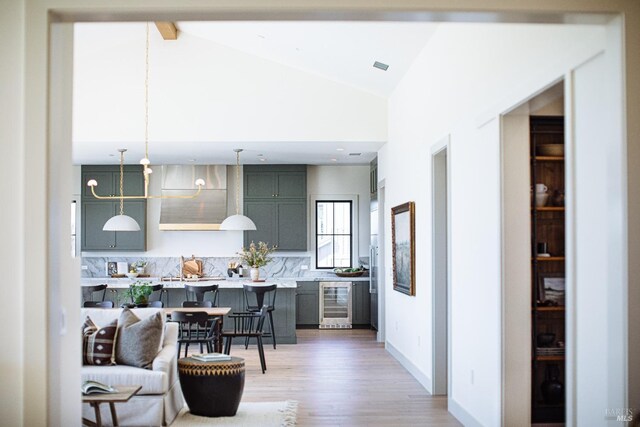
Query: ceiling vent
x,y
355,154
380,66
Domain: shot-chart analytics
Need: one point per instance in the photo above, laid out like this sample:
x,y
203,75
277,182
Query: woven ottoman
x,y
212,389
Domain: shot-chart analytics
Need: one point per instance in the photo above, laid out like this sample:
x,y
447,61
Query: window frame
x,y
352,201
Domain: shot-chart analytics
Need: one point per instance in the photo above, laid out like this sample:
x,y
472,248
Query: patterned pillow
x,y
98,344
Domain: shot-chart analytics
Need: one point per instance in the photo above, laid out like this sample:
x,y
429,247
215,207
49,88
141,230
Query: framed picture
x,y
403,244
551,289
112,268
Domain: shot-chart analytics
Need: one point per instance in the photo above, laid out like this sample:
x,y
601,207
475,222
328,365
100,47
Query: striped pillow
x,y
98,344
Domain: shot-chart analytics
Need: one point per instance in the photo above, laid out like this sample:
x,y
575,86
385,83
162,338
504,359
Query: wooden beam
x,y
168,30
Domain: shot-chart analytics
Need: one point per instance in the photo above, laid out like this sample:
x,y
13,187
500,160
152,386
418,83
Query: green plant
x,y
256,255
139,264
140,292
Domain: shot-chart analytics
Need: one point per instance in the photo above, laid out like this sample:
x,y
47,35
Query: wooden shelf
x,y
548,158
549,358
548,258
551,308
549,209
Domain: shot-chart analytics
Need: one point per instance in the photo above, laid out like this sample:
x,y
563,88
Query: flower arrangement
x,y
139,264
256,255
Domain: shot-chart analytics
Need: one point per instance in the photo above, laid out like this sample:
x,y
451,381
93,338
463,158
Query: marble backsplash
x,y
211,266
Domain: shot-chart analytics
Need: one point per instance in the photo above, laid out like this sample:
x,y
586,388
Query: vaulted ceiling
x,y
286,92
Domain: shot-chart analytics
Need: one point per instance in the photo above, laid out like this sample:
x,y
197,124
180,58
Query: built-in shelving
x,y
548,310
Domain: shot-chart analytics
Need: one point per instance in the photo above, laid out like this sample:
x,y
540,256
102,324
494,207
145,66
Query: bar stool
x,y
257,296
196,293
88,291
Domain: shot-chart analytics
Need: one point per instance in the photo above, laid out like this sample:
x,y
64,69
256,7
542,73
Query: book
x,y
211,357
93,387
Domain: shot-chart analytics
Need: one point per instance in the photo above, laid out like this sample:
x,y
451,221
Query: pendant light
x,y
237,221
121,222
145,162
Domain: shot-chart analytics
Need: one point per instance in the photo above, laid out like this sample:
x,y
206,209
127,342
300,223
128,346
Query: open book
x,y
211,357
93,387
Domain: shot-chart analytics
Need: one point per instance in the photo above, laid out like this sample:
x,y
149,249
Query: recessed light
x,y
334,160
192,160
380,66
262,159
339,149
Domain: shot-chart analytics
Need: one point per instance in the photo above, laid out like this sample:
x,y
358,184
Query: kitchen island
x,y
230,294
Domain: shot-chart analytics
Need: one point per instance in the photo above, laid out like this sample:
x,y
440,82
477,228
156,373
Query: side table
x,y
212,389
123,395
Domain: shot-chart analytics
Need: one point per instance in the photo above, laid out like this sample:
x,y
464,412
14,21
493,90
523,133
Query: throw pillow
x,y
98,344
138,340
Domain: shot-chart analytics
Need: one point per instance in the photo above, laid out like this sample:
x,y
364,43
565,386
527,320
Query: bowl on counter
x,y
132,275
348,272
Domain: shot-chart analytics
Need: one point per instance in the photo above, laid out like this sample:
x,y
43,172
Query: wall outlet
x,y
84,267
304,267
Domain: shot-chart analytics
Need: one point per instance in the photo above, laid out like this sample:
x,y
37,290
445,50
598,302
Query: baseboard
x,y
463,416
424,380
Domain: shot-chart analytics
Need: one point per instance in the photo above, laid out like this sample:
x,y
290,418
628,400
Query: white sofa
x,y
160,399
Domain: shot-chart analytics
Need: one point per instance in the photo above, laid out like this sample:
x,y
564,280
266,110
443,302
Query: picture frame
x,y
403,248
551,289
112,268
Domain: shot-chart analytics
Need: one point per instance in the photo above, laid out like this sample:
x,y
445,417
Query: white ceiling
x,y
341,53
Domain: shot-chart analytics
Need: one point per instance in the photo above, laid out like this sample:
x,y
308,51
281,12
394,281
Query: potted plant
x,y
256,256
140,292
139,266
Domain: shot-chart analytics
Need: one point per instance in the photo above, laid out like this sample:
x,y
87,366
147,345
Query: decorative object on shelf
x,y
552,388
112,268
238,221
256,256
551,289
542,195
543,249
403,247
132,274
550,150
145,162
545,339
140,292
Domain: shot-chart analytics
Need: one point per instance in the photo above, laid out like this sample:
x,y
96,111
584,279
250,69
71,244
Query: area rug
x,y
250,414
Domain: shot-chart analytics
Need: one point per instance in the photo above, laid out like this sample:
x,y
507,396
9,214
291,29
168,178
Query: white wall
x,y
320,180
464,77
13,399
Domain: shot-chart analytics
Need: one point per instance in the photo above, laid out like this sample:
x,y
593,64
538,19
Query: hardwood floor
x,y
341,378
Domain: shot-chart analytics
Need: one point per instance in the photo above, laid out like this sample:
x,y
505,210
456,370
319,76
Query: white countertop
x,y
222,284
234,283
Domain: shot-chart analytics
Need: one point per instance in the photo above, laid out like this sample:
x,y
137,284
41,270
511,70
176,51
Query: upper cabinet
x,y
108,178
277,181
95,212
275,198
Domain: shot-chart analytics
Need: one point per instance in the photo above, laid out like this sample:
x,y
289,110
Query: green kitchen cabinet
x,y
307,304
275,198
96,213
275,182
361,304
108,178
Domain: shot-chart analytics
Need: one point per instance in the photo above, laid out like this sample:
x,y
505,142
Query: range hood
x,y
205,212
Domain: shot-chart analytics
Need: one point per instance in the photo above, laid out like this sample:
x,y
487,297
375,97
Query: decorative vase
x,y
255,274
140,270
552,389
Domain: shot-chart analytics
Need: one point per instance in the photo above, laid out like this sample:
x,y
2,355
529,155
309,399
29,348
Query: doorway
x,y
440,260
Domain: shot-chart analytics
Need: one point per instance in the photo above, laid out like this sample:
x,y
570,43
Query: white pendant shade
x,y
237,222
121,223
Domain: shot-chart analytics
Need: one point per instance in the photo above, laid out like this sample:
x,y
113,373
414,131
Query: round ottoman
x,y
212,389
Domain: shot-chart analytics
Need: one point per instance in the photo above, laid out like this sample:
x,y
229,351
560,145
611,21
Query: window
x,y
334,237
